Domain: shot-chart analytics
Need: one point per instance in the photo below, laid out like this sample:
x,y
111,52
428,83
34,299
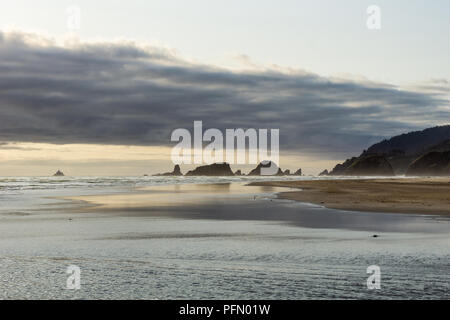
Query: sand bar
x,y
396,195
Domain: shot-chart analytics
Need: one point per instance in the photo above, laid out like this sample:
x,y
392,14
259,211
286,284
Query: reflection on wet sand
x,y
179,195
240,202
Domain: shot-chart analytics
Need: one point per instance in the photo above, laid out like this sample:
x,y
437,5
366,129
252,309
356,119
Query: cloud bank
x,y
124,93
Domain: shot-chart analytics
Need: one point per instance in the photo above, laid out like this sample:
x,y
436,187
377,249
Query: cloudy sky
x,y
104,99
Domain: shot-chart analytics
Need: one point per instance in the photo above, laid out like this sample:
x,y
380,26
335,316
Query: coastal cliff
x,y
433,163
419,152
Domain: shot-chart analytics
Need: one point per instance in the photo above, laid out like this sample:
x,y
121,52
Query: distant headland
x,y
418,153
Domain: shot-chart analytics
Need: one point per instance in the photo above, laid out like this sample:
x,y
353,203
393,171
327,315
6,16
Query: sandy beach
x,y
415,195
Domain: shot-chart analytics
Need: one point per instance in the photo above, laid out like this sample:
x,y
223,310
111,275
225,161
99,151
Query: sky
x,y
104,98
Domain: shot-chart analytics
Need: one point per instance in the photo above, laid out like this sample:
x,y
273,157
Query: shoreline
x,y
393,195
239,202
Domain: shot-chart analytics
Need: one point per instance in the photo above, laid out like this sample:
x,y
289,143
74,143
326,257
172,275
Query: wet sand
x,y
170,196
415,195
240,202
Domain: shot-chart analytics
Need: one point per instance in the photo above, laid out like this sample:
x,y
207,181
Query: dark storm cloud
x,y
121,93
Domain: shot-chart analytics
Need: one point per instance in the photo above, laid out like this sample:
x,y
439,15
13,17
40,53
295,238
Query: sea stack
x,y
215,169
298,172
265,164
59,174
176,172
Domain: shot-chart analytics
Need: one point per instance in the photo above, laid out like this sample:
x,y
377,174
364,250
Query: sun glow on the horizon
x,y
41,159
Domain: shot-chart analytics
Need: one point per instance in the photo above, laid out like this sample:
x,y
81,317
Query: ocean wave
x,y
12,184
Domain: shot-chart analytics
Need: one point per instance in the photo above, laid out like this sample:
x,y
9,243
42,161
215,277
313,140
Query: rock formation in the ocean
x,y
298,172
238,173
287,172
433,163
324,173
176,172
215,169
265,164
59,174
371,165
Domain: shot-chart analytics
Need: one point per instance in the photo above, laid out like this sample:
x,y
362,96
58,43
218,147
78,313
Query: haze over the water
x,y
103,100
